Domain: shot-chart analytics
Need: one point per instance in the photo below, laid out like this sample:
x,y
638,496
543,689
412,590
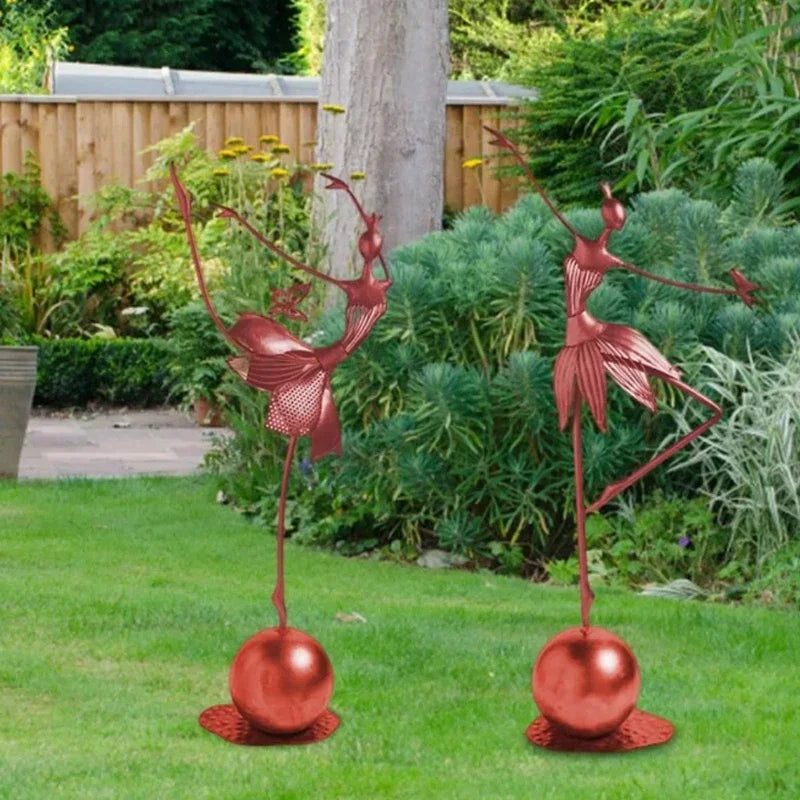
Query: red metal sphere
x,y
586,681
281,680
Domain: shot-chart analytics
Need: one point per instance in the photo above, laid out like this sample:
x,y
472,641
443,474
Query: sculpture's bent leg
x,y
613,489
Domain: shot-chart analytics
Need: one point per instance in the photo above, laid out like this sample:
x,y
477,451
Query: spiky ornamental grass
x,y
448,406
748,466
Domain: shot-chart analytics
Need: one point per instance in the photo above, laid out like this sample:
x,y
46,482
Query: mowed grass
x,y
123,603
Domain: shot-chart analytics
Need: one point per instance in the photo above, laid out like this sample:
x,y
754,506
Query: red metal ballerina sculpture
x,y
281,679
586,680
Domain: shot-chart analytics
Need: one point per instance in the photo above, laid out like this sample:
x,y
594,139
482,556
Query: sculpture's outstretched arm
x,y
185,207
744,288
501,140
229,213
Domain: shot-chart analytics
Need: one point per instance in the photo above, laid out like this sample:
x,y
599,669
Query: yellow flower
x,y
268,138
221,172
259,157
358,176
241,149
471,163
320,167
71,48
278,172
227,153
333,108
232,140
281,148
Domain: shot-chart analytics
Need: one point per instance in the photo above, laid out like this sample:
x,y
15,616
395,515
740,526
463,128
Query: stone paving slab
x,y
147,442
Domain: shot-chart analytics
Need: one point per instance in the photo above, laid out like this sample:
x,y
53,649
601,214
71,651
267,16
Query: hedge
x,y
74,372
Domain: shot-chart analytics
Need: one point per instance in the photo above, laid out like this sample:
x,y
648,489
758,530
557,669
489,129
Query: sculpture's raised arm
x,y
501,140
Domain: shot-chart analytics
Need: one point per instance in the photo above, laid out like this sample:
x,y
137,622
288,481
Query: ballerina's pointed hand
x,y
744,287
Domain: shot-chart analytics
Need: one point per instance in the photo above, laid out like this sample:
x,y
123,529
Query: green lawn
x,y
123,603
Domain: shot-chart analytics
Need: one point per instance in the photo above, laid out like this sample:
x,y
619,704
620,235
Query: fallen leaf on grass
x,y
353,616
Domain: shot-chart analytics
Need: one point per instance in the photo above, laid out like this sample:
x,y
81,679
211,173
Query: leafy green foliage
x,y
675,95
602,82
24,277
73,372
25,207
222,35
131,268
448,409
197,362
29,43
659,541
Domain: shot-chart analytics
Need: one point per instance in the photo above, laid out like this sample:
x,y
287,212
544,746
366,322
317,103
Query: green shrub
x,y
197,355
131,268
74,372
29,44
657,542
676,95
448,409
628,52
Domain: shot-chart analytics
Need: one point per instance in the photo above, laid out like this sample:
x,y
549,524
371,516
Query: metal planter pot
x,y
17,384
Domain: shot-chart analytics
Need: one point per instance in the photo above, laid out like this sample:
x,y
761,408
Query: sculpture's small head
x,y
370,242
613,211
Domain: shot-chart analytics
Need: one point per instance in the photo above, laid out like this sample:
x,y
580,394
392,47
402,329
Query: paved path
x,y
114,444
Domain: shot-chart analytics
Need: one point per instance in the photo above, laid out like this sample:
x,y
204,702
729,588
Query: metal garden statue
x,y
586,680
281,679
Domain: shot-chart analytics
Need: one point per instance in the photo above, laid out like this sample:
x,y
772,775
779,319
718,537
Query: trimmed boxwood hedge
x,y
74,372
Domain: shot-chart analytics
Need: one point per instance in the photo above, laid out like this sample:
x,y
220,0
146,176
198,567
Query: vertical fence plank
x,y
10,149
159,129
251,125
121,149
215,126
510,185
471,138
48,158
453,158
103,144
86,155
270,122
289,128
178,117
197,115
28,128
140,139
67,148
489,153
307,131
233,119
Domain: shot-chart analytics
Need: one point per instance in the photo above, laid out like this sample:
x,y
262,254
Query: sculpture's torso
x,y
584,269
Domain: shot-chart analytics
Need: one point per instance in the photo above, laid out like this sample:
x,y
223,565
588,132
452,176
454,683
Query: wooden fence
x,y
83,144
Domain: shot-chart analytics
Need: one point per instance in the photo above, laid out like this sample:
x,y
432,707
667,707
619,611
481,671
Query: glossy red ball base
x,y
280,682
586,682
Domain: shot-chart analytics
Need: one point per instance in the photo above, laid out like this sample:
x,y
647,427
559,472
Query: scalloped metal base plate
x,y
640,729
226,722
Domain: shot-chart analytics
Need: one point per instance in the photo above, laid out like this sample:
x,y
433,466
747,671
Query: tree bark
x,y
386,63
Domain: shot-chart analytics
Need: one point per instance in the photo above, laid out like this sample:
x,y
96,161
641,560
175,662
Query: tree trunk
x,y
386,63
